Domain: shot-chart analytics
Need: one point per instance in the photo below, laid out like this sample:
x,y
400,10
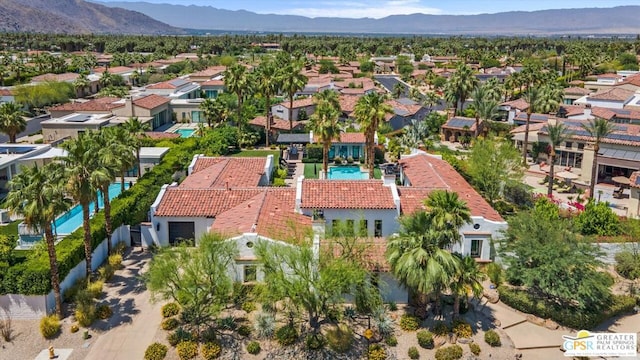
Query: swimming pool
x,y
185,133
347,173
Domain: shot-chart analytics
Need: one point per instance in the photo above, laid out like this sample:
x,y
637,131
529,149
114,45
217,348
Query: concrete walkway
x,y
135,318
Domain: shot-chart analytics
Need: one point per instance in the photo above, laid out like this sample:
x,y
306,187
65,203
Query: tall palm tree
x,y
545,98
292,82
134,77
80,84
448,213
106,79
485,106
80,163
460,84
557,135
598,129
268,83
37,194
136,130
215,111
468,279
236,80
398,90
11,121
324,122
370,111
124,150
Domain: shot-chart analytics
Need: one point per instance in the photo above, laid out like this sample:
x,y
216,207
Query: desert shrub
x,y
409,322
244,330
155,351
115,261
392,306
209,335
178,336
628,264
103,311
49,326
264,324
440,328
253,347
119,248
169,324
495,273
452,352
384,324
211,350
474,348
227,323
85,312
314,341
74,328
187,350
462,329
376,352
339,338
413,353
105,273
425,339
95,289
170,309
492,338
391,341
286,335
249,306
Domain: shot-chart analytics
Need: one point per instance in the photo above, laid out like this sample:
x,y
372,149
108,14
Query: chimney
x,y
128,106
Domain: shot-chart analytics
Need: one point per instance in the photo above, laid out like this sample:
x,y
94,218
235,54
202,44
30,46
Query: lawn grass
x,y
259,153
309,172
377,173
10,229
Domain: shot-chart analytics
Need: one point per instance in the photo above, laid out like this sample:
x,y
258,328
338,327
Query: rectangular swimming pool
x,y
347,173
185,133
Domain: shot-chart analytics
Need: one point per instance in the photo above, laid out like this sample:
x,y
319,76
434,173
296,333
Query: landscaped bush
x,y
413,353
169,324
95,289
495,273
392,306
314,341
314,151
264,324
462,329
50,326
155,351
339,338
253,348
453,352
628,264
425,339
244,330
376,352
492,338
409,322
103,311
187,350
209,335
106,272
391,341
115,261
85,312
178,336
440,328
249,306
474,348
170,309
211,350
286,335
226,323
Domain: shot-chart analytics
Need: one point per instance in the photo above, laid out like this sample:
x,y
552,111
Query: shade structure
x,y
567,175
621,180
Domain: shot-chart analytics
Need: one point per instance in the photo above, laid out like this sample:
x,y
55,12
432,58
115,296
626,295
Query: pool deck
x,y
182,126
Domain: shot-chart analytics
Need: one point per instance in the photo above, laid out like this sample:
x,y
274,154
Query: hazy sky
x,y
382,8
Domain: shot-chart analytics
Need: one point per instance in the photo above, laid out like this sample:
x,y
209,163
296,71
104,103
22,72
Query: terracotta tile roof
x,y
99,104
608,76
55,77
114,70
577,91
241,218
401,109
346,194
157,135
181,202
277,124
519,104
210,71
573,110
151,101
299,103
632,80
624,129
427,173
613,94
348,102
532,127
226,172
212,83
345,138
603,113
371,252
353,91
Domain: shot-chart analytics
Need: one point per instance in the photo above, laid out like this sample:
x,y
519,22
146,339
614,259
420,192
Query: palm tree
x,y
545,98
80,162
268,83
134,77
11,121
324,122
136,130
485,106
370,111
215,111
460,84
557,135
468,279
398,90
236,80
105,79
292,82
37,194
80,84
598,129
449,213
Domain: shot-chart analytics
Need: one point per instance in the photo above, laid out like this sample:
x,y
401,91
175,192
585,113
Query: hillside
x,y
76,16
617,20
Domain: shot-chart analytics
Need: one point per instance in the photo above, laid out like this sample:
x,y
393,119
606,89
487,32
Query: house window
x,y
335,227
568,145
363,229
350,228
580,146
476,248
250,273
377,228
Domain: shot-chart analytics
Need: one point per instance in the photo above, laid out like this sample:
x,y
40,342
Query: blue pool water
x,y
72,219
185,133
347,173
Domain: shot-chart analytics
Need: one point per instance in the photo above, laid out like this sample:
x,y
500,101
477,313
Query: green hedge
x,y
32,277
571,317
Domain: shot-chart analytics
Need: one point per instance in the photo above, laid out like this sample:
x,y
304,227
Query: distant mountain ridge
x,y
616,20
76,16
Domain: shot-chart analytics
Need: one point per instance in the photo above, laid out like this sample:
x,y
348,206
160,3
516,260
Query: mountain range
x,y
74,17
616,20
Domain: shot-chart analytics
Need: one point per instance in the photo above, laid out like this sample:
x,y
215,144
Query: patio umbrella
x,y
567,175
623,180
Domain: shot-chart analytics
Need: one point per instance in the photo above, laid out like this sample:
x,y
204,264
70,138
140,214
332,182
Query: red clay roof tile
x,y
346,194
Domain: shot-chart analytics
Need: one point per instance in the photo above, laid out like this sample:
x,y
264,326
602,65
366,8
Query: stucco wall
x,y
389,218
161,228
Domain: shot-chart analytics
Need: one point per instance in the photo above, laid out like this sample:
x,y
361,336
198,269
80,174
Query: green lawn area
x,y
259,153
309,172
377,173
10,229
